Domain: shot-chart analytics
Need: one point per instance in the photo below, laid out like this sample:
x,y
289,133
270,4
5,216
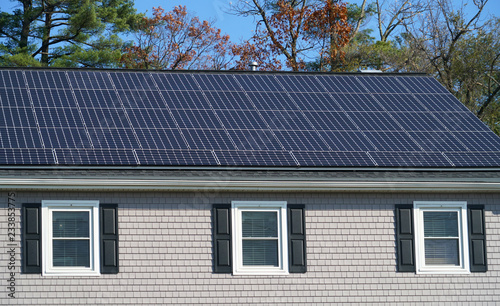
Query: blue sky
x,y
239,27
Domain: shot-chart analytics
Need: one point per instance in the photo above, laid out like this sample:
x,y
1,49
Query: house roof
x,y
122,118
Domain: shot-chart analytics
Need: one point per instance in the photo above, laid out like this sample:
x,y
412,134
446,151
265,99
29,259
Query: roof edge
x,y
106,184
214,71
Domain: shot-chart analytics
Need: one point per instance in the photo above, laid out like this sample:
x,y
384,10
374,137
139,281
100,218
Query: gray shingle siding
x,y
166,254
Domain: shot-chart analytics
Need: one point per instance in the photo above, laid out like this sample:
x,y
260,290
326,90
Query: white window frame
x,y
456,206
49,206
278,206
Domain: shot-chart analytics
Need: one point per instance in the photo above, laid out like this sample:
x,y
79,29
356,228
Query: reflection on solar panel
x,y
236,119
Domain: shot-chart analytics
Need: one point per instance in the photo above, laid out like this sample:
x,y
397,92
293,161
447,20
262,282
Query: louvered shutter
x,y
296,239
405,238
477,238
108,225
32,238
221,217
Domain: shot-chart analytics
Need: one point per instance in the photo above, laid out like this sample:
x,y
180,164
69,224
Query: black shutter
x,y
221,216
108,225
296,239
32,238
405,238
477,238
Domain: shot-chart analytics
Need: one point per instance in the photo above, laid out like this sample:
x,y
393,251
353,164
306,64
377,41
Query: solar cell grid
x,y
11,79
63,117
164,139
383,84
330,121
271,101
258,83
90,80
196,119
95,157
17,117
254,140
26,156
441,102
241,119
474,159
437,141
409,159
175,157
418,121
228,100
346,141
65,138
217,82
421,84
203,139
392,141
19,138
315,102
333,159
341,84
52,98
138,99
14,98
179,81
286,120
105,138
96,99
255,158
356,102
151,118
47,79
131,81
301,141
479,141
374,121
461,121
184,100
107,118
299,83
399,102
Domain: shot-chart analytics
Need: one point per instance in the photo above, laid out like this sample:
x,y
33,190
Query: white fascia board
x,y
138,184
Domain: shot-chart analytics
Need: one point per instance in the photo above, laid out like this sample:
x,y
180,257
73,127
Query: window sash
x,y
259,246
441,237
70,250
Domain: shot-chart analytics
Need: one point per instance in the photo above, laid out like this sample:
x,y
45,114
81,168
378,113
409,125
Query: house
x,y
155,188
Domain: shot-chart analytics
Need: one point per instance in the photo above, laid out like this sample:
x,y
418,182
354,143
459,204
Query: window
x,y
71,237
441,244
75,237
260,240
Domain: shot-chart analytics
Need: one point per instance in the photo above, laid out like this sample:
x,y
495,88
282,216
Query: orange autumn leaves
x,y
288,36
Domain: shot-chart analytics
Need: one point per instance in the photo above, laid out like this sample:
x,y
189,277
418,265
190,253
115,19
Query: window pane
x,y
440,224
259,224
71,253
260,253
70,224
441,252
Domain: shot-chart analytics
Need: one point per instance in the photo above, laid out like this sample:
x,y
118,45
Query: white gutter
x,y
99,184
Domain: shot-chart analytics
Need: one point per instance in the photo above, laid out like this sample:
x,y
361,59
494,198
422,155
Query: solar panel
x,y
175,157
98,117
255,158
409,159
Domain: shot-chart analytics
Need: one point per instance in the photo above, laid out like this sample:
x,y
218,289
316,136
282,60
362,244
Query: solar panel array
x,y
127,118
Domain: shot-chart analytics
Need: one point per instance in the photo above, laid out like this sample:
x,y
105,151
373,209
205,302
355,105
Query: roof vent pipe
x,y
253,66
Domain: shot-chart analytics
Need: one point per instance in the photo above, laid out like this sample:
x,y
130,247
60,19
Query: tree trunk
x,y
26,23
46,35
